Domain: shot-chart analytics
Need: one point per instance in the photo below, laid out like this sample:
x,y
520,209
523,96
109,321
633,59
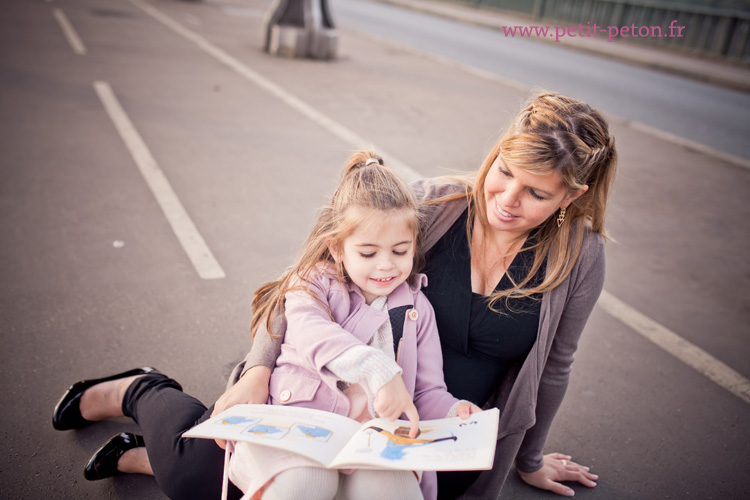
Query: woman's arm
x,y
248,383
544,472
267,345
251,388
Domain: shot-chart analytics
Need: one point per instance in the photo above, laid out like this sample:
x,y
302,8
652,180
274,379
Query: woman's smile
x,y
504,215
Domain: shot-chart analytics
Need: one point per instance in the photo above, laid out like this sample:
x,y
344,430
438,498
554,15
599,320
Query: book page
x,y
447,444
317,435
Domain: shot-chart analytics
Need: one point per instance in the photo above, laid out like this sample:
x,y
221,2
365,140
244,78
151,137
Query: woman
x,y
515,264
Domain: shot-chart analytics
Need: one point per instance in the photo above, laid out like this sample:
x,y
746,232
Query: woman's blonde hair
x,y
553,133
366,186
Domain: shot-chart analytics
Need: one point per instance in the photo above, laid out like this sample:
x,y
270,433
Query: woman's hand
x,y
251,388
393,399
558,467
464,409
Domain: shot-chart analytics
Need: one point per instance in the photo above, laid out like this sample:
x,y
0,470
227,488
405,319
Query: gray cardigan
x,y
532,392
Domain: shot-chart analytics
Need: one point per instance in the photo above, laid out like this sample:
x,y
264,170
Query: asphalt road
x,y
94,280
697,111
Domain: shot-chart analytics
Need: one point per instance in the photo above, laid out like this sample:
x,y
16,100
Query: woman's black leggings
x,y
184,468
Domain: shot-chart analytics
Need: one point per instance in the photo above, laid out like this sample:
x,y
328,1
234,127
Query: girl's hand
x,y
558,467
393,399
251,388
464,409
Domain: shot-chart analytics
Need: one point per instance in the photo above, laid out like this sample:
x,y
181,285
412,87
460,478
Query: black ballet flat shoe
x,y
67,414
103,463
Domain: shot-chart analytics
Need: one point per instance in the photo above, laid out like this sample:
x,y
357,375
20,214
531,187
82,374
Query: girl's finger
x,y
463,411
413,416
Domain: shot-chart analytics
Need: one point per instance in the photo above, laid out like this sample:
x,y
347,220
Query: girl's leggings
x,y
184,468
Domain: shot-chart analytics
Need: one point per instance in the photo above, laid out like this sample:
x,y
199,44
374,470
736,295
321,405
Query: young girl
x,y
360,341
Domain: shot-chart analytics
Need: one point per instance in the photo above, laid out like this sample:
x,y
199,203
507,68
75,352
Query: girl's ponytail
x,y
361,159
366,185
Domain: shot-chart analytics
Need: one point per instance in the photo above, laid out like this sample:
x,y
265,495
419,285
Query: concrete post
x,y
300,28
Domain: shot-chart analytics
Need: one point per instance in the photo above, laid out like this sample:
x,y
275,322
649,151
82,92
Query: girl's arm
x,y
366,366
380,376
319,340
311,330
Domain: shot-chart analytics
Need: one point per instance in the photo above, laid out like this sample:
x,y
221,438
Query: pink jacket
x,y
312,340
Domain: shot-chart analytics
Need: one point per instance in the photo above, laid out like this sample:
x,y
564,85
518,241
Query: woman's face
x,y
518,201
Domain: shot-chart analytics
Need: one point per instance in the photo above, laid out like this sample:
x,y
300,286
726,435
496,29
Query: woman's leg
x,y
184,468
453,484
103,401
135,461
310,483
367,484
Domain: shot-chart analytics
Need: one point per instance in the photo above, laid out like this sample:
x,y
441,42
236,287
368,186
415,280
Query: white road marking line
x,y
70,33
661,336
187,234
687,352
690,144
340,131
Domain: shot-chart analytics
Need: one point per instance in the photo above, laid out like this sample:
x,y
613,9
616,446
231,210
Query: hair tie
x,y
370,161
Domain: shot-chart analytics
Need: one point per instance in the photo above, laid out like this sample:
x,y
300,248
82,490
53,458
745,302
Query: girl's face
x,y
379,255
518,201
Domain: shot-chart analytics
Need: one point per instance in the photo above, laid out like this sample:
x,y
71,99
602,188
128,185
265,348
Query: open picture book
x,y
338,442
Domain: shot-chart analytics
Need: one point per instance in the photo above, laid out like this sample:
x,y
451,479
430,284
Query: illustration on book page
x,y
311,432
398,442
267,431
236,421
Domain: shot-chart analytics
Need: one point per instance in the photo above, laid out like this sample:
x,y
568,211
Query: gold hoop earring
x,y
561,217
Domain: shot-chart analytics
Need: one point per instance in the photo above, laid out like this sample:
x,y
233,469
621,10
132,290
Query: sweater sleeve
x,y
366,366
265,348
266,345
438,216
554,380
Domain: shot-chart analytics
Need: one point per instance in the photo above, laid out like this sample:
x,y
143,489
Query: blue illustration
x,y
237,421
267,431
310,431
396,446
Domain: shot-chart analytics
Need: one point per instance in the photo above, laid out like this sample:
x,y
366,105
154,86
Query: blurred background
x,y
158,166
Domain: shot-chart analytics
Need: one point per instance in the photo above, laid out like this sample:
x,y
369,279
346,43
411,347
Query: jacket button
x,y
413,315
285,395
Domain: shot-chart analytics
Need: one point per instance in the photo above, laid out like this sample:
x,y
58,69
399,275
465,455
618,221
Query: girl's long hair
x,y
365,189
552,133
